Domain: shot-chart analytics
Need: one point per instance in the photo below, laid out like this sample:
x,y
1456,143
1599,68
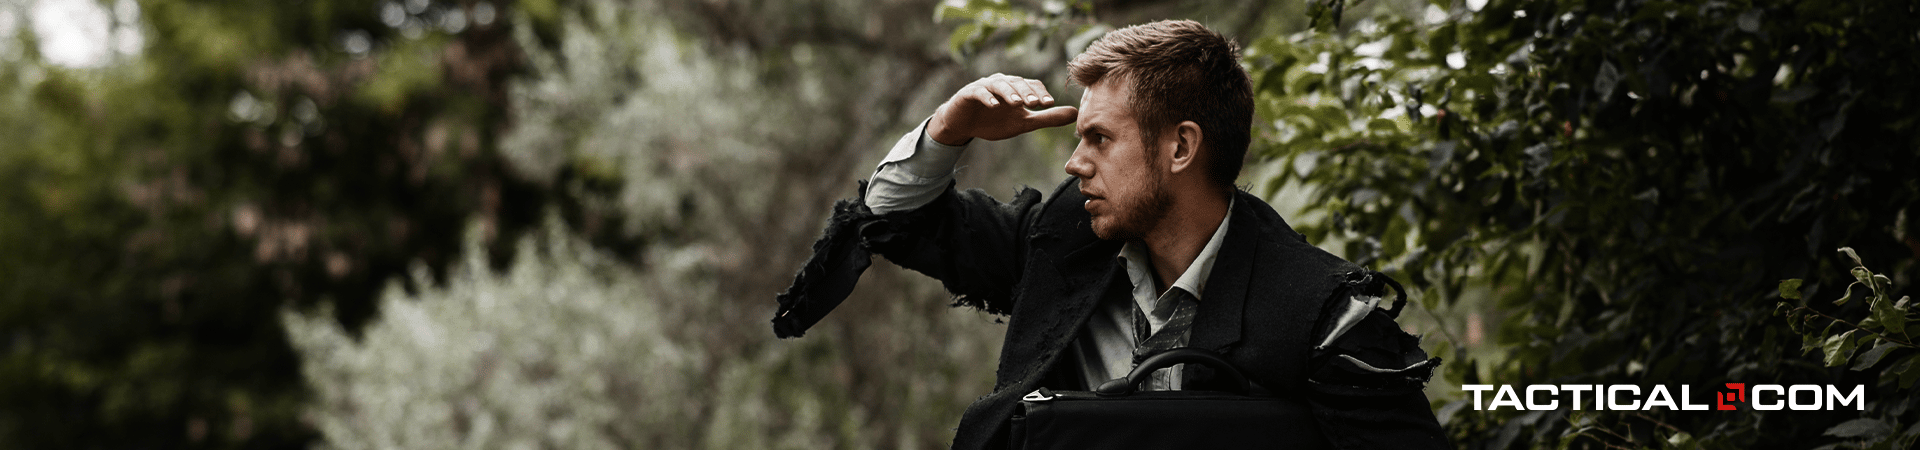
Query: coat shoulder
x,y
1276,234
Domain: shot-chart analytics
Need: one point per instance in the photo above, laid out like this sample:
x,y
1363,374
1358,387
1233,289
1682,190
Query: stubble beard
x,y
1138,215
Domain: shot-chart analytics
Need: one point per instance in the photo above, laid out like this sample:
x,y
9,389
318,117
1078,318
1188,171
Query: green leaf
x,y
1908,371
961,38
944,11
1853,256
1605,81
1890,318
1440,43
1019,33
1790,289
1274,81
1811,340
1838,348
1330,116
1897,369
1382,126
1872,357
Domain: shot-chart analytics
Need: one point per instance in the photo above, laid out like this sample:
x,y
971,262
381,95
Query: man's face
x,y
1121,176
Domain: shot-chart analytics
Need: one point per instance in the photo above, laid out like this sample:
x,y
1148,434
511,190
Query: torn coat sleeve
x,y
968,240
1366,376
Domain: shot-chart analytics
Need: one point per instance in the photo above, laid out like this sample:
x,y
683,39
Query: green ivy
x,y
1884,331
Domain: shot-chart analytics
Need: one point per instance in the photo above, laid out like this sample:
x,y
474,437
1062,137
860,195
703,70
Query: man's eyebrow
x,y
1094,128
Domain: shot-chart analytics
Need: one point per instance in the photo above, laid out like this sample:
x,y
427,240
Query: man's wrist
x,y
944,140
932,159
939,133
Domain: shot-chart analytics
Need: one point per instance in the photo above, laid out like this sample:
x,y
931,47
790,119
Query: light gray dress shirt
x,y
917,170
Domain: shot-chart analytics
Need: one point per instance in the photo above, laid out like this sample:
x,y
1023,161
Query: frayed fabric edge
x,y
839,258
845,250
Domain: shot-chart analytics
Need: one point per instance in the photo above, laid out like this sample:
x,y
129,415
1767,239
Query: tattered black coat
x,y
1271,302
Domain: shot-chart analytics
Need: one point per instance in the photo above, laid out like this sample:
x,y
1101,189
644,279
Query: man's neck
x,y
1176,242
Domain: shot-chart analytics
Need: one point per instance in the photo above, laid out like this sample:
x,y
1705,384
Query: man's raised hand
x,y
995,108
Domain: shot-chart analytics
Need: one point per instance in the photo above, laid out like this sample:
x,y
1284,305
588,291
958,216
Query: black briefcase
x,y
1117,416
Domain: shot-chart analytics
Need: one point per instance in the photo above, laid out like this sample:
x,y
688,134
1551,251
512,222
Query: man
x,y
1149,246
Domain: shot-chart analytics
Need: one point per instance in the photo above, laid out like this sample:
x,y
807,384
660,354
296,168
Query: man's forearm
x,y
914,173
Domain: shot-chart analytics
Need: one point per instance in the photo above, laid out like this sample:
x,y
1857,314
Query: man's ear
x,y
1186,146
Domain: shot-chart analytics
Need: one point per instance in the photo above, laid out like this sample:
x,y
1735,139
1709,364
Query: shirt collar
x,y
1194,279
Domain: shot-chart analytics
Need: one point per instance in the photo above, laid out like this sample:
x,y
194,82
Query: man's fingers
x,y
983,95
1040,89
976,112
1017,91
1053,117
1024,88
1006,92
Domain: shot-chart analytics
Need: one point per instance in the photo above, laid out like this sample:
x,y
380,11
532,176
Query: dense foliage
x,y
1883,330
1632,179
275,224
730,129
254,168
1621,185
162,208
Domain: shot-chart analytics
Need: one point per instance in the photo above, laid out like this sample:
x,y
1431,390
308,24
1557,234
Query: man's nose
x,y
1078,166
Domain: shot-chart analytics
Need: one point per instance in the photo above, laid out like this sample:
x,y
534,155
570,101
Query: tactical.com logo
x,y
1627,397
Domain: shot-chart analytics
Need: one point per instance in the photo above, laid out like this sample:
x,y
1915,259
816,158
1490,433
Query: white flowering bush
x,y
568,349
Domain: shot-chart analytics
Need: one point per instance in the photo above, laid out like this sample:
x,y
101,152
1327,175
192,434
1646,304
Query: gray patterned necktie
x,y
1172,335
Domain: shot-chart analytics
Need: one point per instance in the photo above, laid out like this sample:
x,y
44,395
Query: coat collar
x,y
1217,325
1087,268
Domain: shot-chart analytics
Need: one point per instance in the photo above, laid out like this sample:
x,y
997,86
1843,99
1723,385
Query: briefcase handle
x,y
1227,376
